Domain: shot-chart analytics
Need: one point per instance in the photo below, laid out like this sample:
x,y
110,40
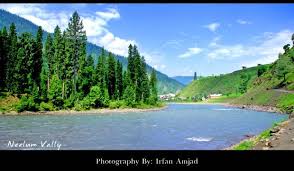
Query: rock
x,y
248,136
292,139
268,144
274,130
243,107
265,148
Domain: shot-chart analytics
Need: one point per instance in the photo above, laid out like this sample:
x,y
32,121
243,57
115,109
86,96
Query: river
x,y
178,127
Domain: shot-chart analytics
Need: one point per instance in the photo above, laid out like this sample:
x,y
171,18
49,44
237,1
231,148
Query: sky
x,y
178,39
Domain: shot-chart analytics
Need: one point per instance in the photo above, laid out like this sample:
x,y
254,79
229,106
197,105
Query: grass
x,y
223,84
224,99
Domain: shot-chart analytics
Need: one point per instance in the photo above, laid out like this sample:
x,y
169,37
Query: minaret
x,y
195,75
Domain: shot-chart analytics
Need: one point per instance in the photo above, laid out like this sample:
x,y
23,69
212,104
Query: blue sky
x,y
178,39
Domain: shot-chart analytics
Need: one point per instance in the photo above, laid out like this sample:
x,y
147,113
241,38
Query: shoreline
x,y
263,144
257,108
198,103
255,138
85,112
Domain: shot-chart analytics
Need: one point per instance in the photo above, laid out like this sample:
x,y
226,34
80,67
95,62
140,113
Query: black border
x,y
207,159
86,159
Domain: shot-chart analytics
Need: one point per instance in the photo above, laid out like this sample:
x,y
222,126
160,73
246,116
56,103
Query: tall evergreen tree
x,y
11,82
145,89
119,80
153,86
76,38
58,51
3,57
49,55
111,76
37,57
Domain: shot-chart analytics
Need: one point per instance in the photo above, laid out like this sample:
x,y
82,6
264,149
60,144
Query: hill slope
x,y
275,87
223,84
165,83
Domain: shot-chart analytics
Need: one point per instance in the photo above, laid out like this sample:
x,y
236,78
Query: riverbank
x,y
279,137
256,108
91,111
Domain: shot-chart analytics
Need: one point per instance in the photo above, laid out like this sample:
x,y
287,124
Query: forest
x,y
59,74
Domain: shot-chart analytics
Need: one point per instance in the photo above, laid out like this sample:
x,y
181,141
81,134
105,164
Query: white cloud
x,y
227,52
113,43
269,49
214,41
190,52
243,22
265,50
213,26
111,13
95,24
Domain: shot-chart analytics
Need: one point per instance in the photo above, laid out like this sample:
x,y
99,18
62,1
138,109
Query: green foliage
x,y
27,103
279,75
116,104
246,145
129,96
46,106
231,83
61,76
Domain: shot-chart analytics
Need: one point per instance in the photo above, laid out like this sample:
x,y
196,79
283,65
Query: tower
x,y
195,75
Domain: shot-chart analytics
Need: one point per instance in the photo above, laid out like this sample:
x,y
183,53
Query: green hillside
x,y
165,83
275,87
232,83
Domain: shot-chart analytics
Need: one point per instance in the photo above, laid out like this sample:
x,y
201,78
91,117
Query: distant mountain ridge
x,y
165,83
184,79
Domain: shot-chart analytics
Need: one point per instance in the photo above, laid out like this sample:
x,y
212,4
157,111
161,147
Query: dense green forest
x,y
165,84
60,74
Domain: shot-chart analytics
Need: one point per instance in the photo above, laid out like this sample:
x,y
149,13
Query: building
x,y
214,96
168,96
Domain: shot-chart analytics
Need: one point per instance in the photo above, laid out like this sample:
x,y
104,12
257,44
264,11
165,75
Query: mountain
x,y
184,79
275,87
165,83
223,84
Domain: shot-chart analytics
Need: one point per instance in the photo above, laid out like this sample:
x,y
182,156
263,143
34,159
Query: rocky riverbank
x,y
280,137
256,108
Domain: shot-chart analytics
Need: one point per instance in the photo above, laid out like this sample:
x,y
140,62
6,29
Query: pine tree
x,y
37,57
49,55
11,82
153,86
111,76
119,80
145,89
3,57
76,40
58,51
86,76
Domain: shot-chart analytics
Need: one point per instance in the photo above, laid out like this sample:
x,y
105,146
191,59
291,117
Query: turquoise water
x,y
178,127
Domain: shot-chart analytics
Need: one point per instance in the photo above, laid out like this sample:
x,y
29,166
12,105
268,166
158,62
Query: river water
x,y
178,127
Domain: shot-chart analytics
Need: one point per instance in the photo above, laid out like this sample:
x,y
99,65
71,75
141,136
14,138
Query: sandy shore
x,y
91,111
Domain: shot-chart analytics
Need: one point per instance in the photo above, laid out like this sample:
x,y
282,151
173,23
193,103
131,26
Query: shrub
x,y
27,104
70,102
46,106
116,104
78,106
